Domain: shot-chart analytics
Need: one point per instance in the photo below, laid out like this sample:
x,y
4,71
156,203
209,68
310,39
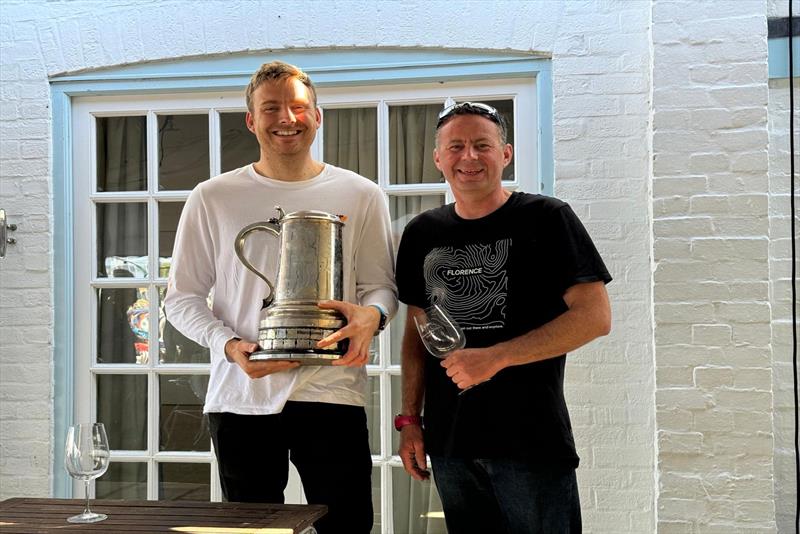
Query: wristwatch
x,y
382,321
402,420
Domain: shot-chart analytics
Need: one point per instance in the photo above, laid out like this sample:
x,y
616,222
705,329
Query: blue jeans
x,y
506,496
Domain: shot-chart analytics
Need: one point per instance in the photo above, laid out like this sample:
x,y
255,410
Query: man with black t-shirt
x,y
521,276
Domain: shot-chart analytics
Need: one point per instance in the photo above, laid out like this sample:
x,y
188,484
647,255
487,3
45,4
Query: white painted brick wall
x,y
600,113
711,243
780,298
601,83
708,196
25,277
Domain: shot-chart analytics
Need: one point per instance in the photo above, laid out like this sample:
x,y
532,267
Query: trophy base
x,y
305,358
290,332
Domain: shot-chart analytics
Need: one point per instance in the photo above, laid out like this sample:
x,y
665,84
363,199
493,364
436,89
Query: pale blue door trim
x,y
63,320
544,100
326,67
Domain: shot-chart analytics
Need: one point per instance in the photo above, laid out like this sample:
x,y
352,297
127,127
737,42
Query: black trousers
x,y
327,443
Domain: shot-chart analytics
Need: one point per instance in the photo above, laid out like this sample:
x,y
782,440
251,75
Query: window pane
x,y
376,500
122,240
373,409
175,347
238,144
123,323
396,383
182,482
396,335
412,130
350,139
123,480
374,355
506,109
412,138
122,407
168,215
182,151
182,425
402,209
121,153
416,505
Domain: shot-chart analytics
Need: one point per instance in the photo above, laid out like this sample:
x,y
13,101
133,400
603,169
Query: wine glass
x,y
440,334
86,457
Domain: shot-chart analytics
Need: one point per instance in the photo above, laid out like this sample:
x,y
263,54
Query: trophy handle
x,y
266,226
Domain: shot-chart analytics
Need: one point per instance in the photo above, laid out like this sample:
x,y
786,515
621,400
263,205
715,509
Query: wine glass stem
x,y
87,511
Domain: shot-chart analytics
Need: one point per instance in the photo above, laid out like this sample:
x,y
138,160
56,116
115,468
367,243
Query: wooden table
x,y
30,516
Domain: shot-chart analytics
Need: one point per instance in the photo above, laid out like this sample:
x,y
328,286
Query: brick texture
x,y
780,299
711,234
602,54
661,145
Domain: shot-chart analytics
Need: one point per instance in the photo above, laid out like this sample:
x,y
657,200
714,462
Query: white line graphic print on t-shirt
x,y
471,282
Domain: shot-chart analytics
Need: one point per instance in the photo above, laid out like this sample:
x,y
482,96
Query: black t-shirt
x,y
499,276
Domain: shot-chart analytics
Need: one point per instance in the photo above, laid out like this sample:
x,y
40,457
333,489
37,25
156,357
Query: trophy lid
x,y
312,214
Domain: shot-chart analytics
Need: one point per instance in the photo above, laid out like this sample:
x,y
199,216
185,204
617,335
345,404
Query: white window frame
x,y
521,90
526,129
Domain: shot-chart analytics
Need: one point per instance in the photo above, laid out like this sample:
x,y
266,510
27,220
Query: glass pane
x,y
168,215
238,144
121,153
123,325
376,500
182,482
182,426
374,413
123,480
174,347
350,139
182,151
374,348
396,383
416,506
506,109
412,133
122,240
412,138
396,333
122,407
404,208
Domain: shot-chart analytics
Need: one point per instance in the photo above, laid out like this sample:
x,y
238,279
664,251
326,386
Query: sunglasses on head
x,y
469,108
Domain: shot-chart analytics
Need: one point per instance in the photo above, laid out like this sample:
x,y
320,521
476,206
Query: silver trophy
x,y
310,270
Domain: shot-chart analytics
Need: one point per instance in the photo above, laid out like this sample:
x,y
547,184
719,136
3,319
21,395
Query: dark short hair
x,y
277,70
473,108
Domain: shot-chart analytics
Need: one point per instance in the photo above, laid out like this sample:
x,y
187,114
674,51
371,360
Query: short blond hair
x,y
277,70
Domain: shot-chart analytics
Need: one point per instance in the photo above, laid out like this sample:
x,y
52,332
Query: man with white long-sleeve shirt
x,y
264,413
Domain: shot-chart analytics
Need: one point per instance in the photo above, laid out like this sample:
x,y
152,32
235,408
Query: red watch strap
x,y
402,420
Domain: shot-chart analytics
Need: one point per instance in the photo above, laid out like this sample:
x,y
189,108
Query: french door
x,y
135,160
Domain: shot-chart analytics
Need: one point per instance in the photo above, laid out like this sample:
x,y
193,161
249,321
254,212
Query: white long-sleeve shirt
x,y
204,262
